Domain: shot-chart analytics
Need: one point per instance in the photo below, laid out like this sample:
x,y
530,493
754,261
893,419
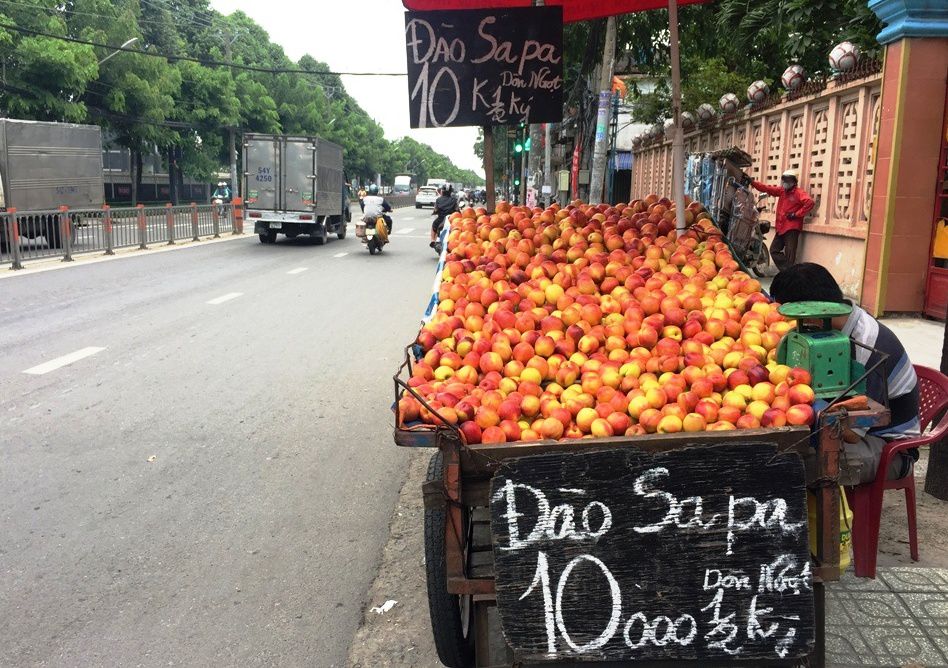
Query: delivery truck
x,y
44,166
294,185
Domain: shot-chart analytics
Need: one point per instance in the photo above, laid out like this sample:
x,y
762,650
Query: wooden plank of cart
x,y
460,552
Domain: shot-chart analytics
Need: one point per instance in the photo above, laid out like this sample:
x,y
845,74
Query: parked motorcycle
x,y
373,232
746,231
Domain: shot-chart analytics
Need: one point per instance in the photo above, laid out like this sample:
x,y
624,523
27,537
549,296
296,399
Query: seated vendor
x,y
812,282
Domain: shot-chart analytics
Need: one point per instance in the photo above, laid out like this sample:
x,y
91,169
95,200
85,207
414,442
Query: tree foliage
x,y
725,46
152,104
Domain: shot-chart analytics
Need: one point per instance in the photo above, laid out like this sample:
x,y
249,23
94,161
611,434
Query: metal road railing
x,y
64,232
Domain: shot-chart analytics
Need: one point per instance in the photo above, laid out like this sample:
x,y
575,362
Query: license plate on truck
x,y
276,226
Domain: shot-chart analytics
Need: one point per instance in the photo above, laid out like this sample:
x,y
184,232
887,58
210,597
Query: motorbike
x,y
373,232
746,231
221,206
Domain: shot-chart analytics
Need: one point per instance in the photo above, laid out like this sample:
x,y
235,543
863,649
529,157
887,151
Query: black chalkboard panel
x,y
485,67
692,554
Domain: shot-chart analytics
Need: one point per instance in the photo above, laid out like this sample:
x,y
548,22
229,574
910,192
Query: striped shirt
x,y
902,381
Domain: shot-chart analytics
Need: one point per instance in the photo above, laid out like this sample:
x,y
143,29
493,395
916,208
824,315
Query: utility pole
x,y
547,166
533,159
678,141
489,167
600,149
231,133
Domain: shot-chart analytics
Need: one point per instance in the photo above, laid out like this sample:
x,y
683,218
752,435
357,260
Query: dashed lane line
x,y
407,230
340,254
225,298
65,360
298,270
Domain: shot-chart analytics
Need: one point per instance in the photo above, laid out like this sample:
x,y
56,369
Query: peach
x,y
801,394
669,424
493,435
694,422
800,415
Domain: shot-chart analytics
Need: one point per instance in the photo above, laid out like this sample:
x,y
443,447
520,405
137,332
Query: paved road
x,y
210,480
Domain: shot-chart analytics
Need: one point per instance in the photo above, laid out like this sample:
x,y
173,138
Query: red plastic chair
x,y
866,500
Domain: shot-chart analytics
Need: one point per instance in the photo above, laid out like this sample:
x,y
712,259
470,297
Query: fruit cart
x,y
460,549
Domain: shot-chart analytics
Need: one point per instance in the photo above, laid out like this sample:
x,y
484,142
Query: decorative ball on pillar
x,y
729,103
687,121
705,112
844,56
668,128
658,131
793,77
636,141
757,91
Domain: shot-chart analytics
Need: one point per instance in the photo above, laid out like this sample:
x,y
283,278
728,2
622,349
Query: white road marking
x,y
340,254
225,298
52,365
298,270
407,230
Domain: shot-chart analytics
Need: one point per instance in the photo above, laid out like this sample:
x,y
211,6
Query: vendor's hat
x,y
790,174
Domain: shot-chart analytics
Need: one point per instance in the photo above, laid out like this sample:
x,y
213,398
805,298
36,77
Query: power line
x,y
200,61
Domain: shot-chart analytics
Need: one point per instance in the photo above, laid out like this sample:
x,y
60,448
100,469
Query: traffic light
x,y
526,146
516,182
518,147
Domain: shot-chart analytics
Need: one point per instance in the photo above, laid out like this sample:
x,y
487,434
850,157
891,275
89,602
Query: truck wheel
x,y
341,229
53,233
322,236
269,237
452,616
418,206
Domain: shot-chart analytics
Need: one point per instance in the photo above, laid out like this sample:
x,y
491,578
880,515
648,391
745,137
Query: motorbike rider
x,y
374,205
222,192
445,205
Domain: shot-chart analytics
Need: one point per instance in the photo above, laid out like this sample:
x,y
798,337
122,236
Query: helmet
x,y
373,189
222,183
790,174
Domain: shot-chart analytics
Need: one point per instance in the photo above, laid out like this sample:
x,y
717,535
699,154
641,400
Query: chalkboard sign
x,y
692,554
485,67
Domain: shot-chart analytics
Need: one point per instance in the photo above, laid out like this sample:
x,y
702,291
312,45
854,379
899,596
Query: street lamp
x,y
127,44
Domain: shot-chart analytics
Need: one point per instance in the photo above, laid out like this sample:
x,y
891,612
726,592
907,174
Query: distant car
x,y
426,196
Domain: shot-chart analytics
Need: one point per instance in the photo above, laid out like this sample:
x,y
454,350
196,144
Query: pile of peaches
x,y
597,321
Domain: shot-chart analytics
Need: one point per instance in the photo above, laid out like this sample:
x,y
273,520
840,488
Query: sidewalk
x,y
898,619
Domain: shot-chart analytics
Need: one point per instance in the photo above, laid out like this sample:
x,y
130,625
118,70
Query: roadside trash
x,y
385,607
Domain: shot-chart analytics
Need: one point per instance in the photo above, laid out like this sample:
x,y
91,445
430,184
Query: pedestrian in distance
x,y
793,204
362,195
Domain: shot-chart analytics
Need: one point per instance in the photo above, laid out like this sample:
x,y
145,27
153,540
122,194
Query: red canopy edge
x,y
573,10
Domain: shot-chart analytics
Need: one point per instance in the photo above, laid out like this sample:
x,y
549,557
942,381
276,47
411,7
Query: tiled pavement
x,y
898,619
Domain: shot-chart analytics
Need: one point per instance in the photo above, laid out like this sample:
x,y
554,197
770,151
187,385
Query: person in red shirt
x,y
793,204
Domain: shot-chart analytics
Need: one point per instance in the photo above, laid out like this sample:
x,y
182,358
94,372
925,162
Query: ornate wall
x,y
826,135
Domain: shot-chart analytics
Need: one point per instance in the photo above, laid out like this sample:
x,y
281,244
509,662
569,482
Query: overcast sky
x,y
357,36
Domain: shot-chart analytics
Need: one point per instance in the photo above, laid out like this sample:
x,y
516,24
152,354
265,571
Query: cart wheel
x,y
763,261
452,616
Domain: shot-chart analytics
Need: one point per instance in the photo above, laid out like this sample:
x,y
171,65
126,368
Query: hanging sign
x,y
484,67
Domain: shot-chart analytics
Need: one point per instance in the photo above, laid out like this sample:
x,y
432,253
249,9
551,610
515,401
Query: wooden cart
x,y
458,547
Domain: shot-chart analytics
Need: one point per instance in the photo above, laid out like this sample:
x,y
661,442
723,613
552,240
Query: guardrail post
x,y
65,233
142,238
194,222
216,217
107,228
169,220
13,241
237,204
